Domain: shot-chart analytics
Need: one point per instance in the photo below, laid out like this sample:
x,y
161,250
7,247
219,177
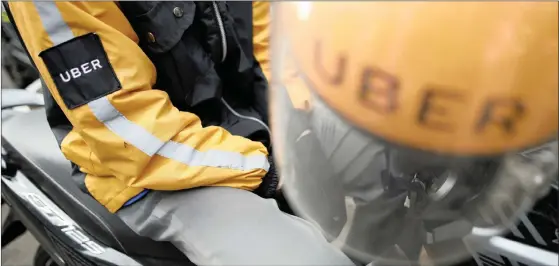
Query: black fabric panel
x,y
261,90
81,70
157,18
207,23
57,120
241,11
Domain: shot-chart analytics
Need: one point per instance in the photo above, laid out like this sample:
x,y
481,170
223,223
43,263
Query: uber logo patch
x,y
81,70
85,68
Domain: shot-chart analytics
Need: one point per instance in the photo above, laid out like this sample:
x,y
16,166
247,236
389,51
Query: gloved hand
x,y
273,182
269,186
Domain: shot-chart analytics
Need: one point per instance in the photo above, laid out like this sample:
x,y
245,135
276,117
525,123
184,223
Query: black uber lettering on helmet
x,y
434,106
337,75
379,91
501,112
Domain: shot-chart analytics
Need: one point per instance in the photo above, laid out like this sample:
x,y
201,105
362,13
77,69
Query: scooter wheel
x,y
42,258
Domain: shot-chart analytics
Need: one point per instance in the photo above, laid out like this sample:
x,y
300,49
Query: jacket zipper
x,y
254,119
223,56
221,31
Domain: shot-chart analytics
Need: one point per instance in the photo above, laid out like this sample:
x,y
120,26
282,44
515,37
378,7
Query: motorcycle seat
x,y
30,138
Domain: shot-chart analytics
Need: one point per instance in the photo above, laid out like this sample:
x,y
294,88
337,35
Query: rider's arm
x,y
296,88
261,34
261,52
88,55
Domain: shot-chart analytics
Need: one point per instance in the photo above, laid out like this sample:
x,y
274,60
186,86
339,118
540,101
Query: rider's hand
x,y
270,182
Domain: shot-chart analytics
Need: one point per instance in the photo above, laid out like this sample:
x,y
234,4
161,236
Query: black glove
x,y
270,181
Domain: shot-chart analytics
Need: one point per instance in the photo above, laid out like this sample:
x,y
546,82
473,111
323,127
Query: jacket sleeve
x,y
261,35
297,90
88,56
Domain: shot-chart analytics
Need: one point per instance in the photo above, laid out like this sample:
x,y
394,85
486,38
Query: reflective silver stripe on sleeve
x,y
212,158
143,140
133,134
54,24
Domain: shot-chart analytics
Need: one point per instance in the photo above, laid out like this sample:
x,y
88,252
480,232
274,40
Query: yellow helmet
x,y
392,119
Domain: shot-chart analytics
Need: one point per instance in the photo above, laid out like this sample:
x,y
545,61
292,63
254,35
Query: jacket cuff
x,y
270,181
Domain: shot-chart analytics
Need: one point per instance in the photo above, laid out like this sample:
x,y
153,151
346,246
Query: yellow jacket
x,y
133,138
